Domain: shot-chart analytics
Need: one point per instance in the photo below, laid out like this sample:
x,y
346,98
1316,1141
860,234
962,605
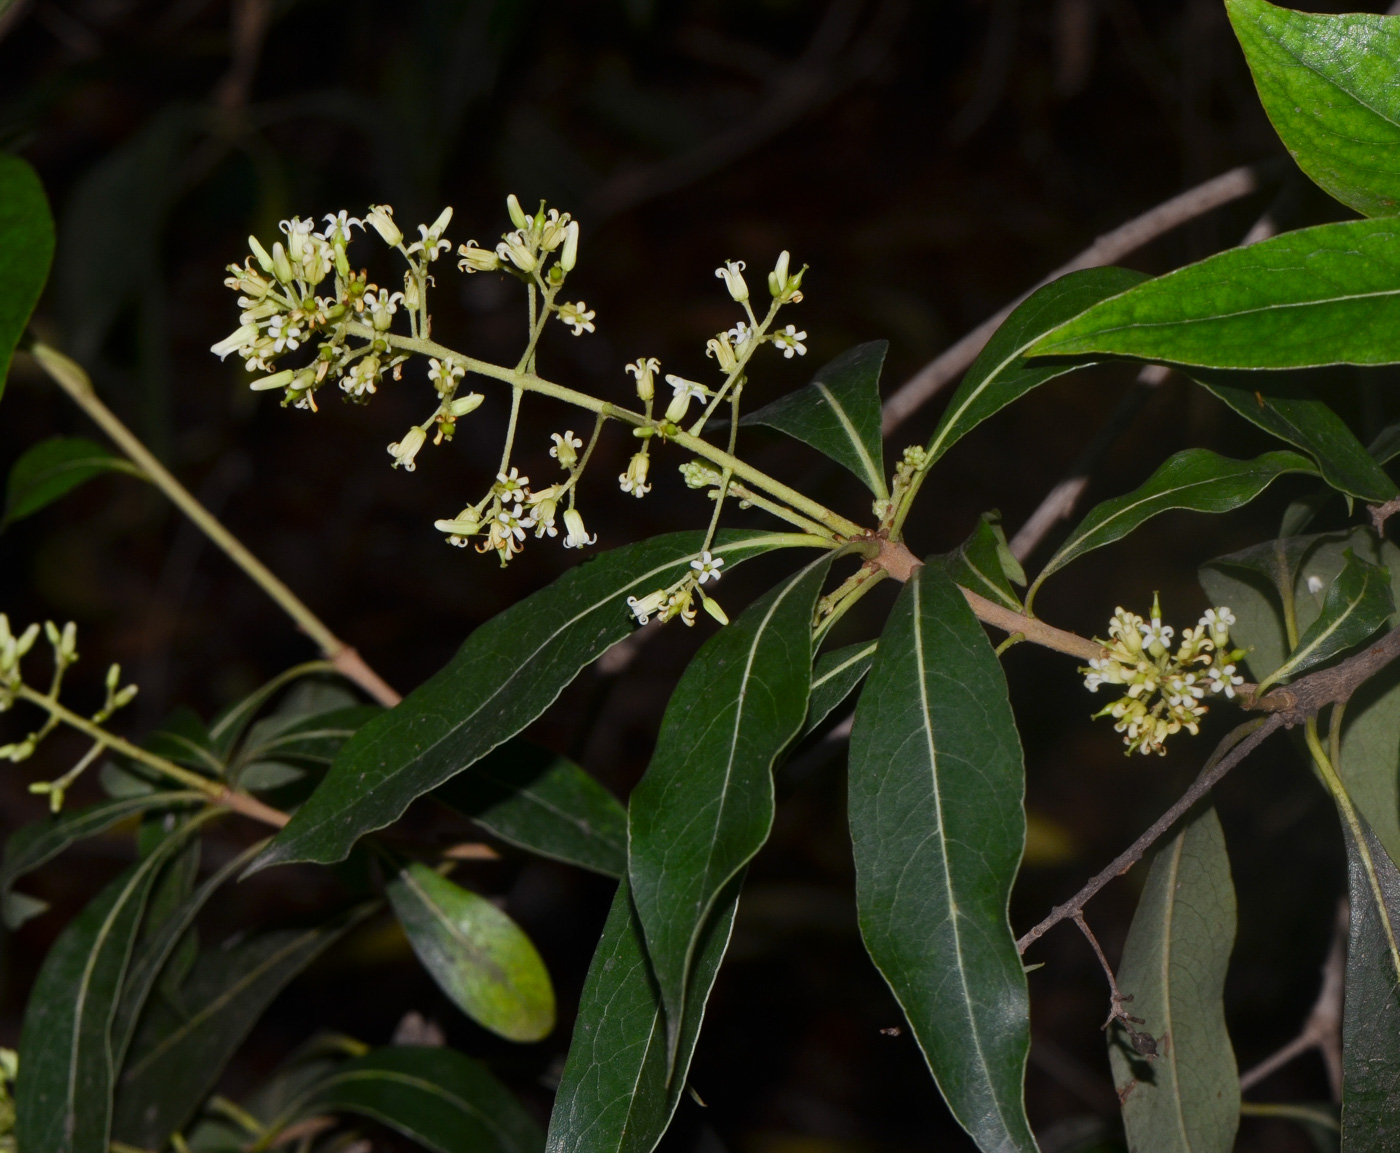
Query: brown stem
x,y
250,806
1144,1043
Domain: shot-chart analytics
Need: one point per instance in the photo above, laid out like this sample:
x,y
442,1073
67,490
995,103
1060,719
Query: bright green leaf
x,y
838,413
1328,85
616,1095
1186,1099
503,677
938,828
984,563
544,803
834,678
26,252
1323,295
53,468
705,805
1001,374
478,956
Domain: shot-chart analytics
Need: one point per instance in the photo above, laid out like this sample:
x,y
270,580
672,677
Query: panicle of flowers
x,y
1163,689
679,598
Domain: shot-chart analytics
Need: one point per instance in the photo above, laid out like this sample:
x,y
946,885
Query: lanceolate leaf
x,y
505,675
705,805
436,1097
1323,295
178,1056
984,563
1328,85
478,956
1196,479
616,1095
53,468
1187,1098
839,413
1357,604
834,678
938,828
1002,374
26,251
545,804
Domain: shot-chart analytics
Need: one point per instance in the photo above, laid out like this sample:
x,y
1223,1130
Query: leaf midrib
x,y
478,954
855,658
414,1082
1169,916
872,474
1292,664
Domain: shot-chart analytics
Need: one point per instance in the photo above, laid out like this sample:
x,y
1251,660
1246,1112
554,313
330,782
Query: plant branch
x,y
1143,1043
70,377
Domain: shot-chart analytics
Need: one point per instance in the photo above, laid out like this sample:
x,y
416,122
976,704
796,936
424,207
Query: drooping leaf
x,y
1284,406
616,1095
984,563
938,828
503,677
838,413
478,956
441,1099
26,252
267,759
705,805
53,468
1001,374
178,1056
1195,479
1323,295
31,846
1327,83
834,678
1186,1098
543,803
1358,602
306,699
67,1073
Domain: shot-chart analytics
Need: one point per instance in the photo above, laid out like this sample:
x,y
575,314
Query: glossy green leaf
x,y
67,1072
545,804
984,563
53,468
478,956
503,677
1328,85
26,252
1001,374
834,678
1386,445
177,1056
938,828
1285,407
838,413
1195,479
616,1095
33,845
1358,602
436,1097
1323,295
1371,1008
706,803
1185,1099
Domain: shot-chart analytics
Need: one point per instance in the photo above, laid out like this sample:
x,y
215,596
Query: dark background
x,y
930,161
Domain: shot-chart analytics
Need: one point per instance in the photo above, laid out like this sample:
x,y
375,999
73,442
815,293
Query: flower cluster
x,y
678,599
1164,688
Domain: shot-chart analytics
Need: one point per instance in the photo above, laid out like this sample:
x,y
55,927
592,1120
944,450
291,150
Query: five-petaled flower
x,y
789,341
707,566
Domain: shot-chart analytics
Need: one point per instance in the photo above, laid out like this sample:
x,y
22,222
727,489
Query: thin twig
x,y
1237,745
1144,1043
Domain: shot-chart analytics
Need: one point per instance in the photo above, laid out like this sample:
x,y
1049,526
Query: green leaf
x,y
545,804
503,677
437,1097
834,678
1323,295
67,1075
1187,1098
938,828
35,844
1386,446
53,468
1195,479
478,956
1285,407
178,1056
984,563
1358,602
1001,374
616,1095
1371,1009
839,413
26,252
1328,85
705,805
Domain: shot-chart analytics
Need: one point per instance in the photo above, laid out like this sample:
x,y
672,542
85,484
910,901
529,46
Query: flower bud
x,y
381,216
476,259
260,254
517,215
238,339
644,370
439,226
465,523
281,266
276,380
465,404
733,276
569,257
712,607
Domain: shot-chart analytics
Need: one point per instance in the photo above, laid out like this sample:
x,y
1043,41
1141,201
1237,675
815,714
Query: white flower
x,y
515,248
577,315
543,505
578,535
722,351
338,226
565,449
362,378
733,276
684,391
1223,679
789,341
740,334
239,341
512,486
645,370
285,334
634,480
381,218
643,608
1156,633
707,566
514,522
444,374
476,259
405,450
382,306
